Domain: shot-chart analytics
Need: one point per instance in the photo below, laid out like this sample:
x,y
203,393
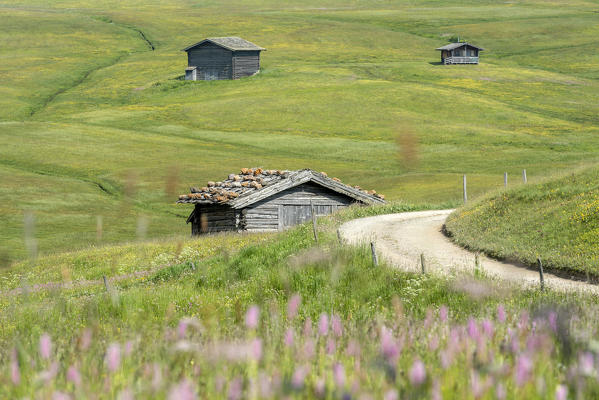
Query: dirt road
x,y
402,238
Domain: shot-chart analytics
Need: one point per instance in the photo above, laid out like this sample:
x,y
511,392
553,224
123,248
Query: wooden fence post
x,y
106,284
524,176
313,222
422,263
465,191
505,179
375,260
542,278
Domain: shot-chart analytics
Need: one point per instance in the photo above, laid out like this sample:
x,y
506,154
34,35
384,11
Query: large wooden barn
x,y
269,200
222,58
459,53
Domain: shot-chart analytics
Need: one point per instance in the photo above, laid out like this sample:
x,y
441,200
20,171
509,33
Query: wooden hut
x,y
460,53
222,58
269,200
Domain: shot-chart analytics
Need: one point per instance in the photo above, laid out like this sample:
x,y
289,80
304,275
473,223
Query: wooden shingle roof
x,y
255,184
452,46
232,43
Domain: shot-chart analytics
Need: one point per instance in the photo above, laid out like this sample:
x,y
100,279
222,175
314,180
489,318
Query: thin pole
x,y
465,190
541,274
106,283
524,175
375,260
505,179
422,264
313,221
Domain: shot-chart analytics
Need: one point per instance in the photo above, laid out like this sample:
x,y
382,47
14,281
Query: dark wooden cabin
x,y
269,200
222,58
460,53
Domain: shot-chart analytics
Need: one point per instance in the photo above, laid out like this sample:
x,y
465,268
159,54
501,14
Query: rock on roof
x,y
255,184
233,43
452,46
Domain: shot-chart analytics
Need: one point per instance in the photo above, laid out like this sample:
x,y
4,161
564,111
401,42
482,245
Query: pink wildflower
x,y
257,349
308,327
436,390
251,317
561,392
235,389
182,391
320,387
45,346
488,327
113,357
74,376
182,328
391,395
339,375
293,306
524,367
289,337
501,317
389,347
299,376
331,346
443,313
15,372
336,325
417,373
353,349
473,331
586,363
552,318
500,392
308,349
323,324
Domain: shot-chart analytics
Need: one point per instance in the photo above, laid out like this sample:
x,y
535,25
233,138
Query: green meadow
x,y
96,121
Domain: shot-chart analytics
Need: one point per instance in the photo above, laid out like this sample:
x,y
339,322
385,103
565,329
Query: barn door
x,y
291,215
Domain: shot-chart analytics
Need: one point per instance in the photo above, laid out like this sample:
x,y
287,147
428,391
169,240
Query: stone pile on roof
x,y
254,184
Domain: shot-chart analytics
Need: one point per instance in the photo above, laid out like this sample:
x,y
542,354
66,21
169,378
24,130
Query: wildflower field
x,y
95,120
556,221
285,317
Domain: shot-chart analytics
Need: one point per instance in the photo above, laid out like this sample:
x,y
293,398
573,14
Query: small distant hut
x,y
269,200
220,58
460,53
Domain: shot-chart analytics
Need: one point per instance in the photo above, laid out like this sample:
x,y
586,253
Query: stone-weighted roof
x,y
255,184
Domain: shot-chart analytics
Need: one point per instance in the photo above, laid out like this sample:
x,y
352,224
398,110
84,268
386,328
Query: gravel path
x,y
401,238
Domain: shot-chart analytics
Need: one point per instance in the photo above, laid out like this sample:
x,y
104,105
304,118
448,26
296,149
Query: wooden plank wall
x,y
291,206
245,63
216,218
212,61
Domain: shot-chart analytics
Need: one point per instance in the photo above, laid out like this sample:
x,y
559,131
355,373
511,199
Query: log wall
x,y
213,62
245,63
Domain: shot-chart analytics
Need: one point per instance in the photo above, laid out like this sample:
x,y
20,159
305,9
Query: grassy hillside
x,y
557,221
96,121
278,316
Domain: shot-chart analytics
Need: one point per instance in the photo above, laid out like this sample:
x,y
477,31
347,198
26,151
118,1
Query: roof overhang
x,y
453,46
299,178
258,48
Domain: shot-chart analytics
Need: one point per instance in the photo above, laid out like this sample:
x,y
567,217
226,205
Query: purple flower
x,y
299,376
391,394
339,375
473,329
331,346
389,347
561,392
552,318
443,313
182,328
501,313
251,317
353,348
289,337
323,324
45,346
293,305
256,349
15,372
113,357
586,363
308,327
74,376
417,373
524,367
235,389
336,325
488,327
182,391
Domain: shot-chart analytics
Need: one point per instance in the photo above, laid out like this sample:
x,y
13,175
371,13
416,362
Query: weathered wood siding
x,y
245,63
291,207
214,218
213,62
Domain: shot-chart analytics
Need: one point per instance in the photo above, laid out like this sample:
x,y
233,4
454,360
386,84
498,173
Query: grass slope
x,y
185,328
557,220
92,104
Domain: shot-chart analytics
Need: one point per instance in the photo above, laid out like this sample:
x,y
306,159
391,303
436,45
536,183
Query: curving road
x,y
401,238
